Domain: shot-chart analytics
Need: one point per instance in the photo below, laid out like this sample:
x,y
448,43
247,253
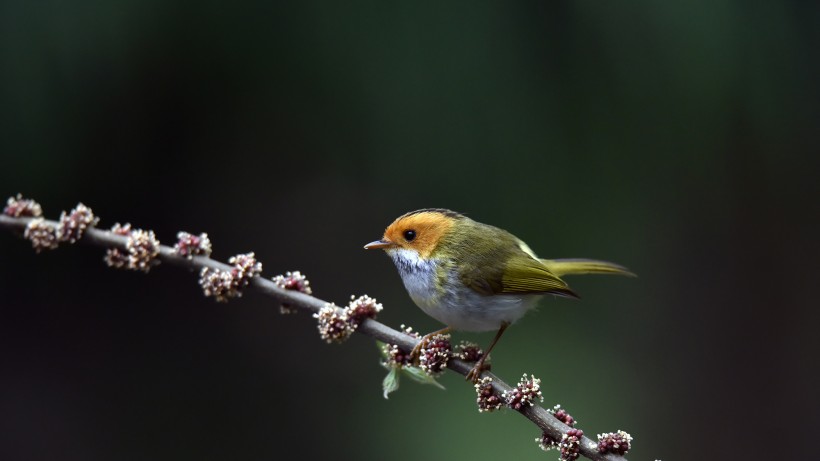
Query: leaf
x,y
418,375
391,381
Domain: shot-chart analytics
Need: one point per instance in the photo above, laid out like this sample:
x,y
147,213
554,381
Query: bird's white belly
x,y
454,304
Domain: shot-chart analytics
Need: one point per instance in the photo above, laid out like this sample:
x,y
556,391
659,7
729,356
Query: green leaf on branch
x,y
390,383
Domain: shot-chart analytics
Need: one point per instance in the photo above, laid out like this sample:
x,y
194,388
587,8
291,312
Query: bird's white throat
x,y
418,274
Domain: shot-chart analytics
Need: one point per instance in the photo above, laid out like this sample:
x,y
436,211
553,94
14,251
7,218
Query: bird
x,y
472,276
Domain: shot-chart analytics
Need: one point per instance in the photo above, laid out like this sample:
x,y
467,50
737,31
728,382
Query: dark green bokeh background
x,y
678,139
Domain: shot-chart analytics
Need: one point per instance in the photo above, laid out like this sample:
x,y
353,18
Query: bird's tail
x,y
561,267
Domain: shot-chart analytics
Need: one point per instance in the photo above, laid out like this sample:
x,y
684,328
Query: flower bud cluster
x,y
614,442
189,245
363,307
397,357
487,399
219,284
469,352
523,394
434,354
19,206
562,415
337,324
116,257
334,323
141,249
72,225
43,235
546,441
245,267
293,281
223,285
570,445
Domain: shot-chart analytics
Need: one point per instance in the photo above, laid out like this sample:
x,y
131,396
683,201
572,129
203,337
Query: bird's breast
x,y
435,287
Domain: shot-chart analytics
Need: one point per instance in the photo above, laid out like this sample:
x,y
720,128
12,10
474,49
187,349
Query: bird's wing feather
x,y
523,275
495,268
528,275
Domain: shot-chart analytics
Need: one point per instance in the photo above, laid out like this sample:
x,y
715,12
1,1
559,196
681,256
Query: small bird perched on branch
x,y
473,276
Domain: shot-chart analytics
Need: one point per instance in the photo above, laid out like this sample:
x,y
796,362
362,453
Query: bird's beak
x,y
383,243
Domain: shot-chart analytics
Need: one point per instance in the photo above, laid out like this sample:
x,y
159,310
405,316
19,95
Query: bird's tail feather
x,y
561,267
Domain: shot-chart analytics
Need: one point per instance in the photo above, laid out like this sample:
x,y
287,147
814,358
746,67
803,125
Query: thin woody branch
x,y
552,428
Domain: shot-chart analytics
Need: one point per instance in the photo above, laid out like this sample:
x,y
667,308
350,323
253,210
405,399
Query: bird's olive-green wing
x,y
522,274
529,275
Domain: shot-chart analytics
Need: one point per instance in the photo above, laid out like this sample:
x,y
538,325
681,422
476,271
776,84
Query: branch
x,y
87,234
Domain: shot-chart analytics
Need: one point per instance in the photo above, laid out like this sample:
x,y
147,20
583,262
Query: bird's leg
x,y
414,354
478,368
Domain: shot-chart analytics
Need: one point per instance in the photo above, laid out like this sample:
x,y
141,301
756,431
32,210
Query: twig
x,y
542,418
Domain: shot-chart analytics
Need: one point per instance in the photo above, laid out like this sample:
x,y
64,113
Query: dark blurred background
x,y
676,138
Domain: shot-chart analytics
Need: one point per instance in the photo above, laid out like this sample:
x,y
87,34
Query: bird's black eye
x,y
409,235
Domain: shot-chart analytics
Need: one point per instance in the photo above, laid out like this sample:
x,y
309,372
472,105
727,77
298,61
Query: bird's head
x,y
420,231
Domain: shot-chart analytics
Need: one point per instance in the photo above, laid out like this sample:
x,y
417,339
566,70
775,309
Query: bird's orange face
x,y
420,231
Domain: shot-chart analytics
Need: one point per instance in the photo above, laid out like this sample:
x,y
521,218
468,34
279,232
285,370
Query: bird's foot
x,y
475,373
